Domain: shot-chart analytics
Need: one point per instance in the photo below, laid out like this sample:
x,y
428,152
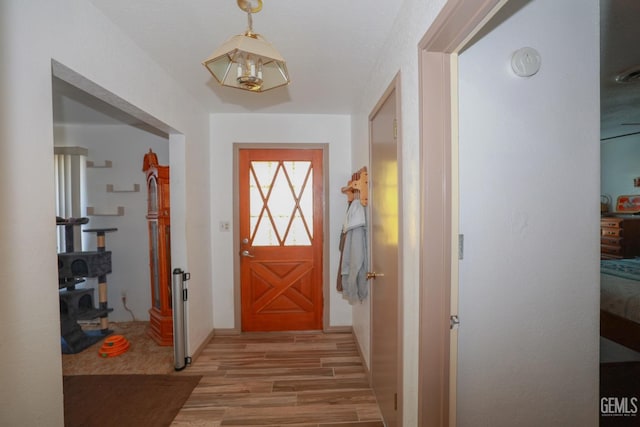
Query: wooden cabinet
x,y
159,227
619,237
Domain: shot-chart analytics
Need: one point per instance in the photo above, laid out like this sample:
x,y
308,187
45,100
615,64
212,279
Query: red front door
x,y
281,239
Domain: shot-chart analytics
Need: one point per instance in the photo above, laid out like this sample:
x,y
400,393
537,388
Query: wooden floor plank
x,y
293,347
281,373
357,424
271,379
321,384
288,415
336,397
272,363
253,400
322,354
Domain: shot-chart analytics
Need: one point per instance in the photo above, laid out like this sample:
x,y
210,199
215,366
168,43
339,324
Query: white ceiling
x,y
322,40
330,47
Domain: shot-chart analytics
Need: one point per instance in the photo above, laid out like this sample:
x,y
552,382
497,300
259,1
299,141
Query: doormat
x,y
125,400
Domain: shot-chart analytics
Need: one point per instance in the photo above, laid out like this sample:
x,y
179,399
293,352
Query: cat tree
x,y
78,304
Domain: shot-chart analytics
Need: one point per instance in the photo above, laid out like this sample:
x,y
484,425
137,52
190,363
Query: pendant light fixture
x,y
247,61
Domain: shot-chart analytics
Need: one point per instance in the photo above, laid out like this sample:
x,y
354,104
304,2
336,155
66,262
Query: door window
x,y
281,203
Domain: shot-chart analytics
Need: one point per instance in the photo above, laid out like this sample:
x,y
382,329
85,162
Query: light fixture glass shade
x,y
247,61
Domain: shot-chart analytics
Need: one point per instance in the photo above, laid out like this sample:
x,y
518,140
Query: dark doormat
x,y
620,394
125,400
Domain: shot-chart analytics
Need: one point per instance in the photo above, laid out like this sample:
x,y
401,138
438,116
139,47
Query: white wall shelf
x,y
107,164
112,189
91,212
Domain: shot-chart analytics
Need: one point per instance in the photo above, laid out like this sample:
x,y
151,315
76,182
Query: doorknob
x,y
247,254
373,275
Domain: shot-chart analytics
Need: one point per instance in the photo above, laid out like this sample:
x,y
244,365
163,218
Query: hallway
x,y
302,379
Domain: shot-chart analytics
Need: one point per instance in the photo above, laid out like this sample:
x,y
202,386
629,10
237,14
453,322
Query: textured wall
x,y
227,129
74,33
529,184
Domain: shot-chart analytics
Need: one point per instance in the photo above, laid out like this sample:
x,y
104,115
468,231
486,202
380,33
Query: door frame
x,y
394,85
326,301
456,24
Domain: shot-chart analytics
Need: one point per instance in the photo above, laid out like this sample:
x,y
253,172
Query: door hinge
x,y
395,401
395,128
460,246
454,322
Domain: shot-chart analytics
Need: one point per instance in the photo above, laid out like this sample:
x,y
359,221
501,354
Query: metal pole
x,y
179,297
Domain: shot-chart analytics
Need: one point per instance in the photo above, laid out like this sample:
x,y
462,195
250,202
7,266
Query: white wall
x,y
125,146
529,186
400,54
75,34
227,129
619,167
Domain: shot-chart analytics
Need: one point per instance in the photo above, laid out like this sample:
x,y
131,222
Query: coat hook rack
x,y
358,187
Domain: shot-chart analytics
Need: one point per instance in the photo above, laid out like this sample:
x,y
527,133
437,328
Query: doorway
x,y
280,213
117,199
386,330
458,21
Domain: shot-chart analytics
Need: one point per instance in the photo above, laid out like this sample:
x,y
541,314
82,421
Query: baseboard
x,y
226,331
364,361
338,330
200,348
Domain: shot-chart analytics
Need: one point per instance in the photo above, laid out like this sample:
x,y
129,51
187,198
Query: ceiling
x,y
619,33
323,41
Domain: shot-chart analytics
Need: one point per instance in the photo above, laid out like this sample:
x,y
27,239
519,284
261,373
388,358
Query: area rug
x,y
125,400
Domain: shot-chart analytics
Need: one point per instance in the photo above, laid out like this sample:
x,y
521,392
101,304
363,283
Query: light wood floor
x,y
303,380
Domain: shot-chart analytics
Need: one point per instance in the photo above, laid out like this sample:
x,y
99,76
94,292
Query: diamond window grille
x,y
281,203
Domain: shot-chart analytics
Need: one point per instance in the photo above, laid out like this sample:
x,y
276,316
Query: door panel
x,y
281,239
384,258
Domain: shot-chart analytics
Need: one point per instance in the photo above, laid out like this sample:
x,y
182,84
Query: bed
x,y
620,301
